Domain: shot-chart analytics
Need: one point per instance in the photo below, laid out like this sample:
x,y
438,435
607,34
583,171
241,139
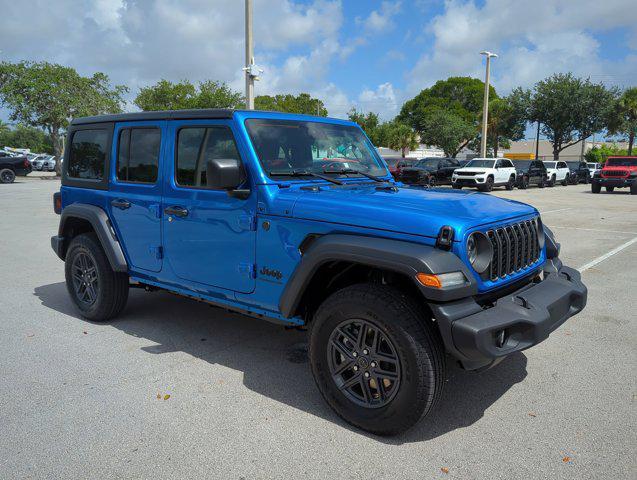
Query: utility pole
x,y
537,141
249,57
485,108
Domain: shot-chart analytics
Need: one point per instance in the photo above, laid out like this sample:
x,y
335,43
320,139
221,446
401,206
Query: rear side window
x,y
197,145
87,155
138,155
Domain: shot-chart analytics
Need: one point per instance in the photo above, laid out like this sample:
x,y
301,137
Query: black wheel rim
x,y
364,363
85,279
7,177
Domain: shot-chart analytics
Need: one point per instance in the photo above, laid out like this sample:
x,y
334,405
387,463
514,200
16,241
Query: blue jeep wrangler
x,y
297,220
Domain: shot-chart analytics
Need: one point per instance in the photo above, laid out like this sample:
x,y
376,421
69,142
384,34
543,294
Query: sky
x,y
370,55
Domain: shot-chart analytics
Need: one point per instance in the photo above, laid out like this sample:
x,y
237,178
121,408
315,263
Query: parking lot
x,y
177,389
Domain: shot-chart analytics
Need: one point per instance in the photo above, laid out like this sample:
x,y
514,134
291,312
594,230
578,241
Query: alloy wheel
x,y
85,279
364,363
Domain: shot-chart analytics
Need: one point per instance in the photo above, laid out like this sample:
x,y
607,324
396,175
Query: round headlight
x,y
479,251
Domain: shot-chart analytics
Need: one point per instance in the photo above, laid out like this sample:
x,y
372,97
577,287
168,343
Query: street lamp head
x,y
488,53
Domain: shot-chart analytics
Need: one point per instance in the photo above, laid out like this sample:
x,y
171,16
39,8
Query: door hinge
x,y
248,222
155,209
248,269
157,251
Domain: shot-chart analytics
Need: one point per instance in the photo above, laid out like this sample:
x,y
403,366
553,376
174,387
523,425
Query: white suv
x,y
557,172
485,173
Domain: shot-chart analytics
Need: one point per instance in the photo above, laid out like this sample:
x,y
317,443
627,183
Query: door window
x,y
138,155
197,145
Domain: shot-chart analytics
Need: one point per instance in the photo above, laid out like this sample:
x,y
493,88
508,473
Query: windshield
x,y
621,162
288,146
550,164
428,163
480,163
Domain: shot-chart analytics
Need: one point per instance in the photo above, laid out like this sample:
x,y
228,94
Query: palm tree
x,y
623,117
4,127
403,138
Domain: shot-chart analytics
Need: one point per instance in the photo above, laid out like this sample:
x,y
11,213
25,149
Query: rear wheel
x,y
565,181
98,292
596,187
377,358
7,175
511,183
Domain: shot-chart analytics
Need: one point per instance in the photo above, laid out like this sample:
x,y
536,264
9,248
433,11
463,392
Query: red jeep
x,y
617,172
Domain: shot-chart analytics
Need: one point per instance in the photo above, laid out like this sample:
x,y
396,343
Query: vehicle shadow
x,y
274,360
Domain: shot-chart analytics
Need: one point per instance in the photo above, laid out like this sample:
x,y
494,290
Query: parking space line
x,y
558,210
596,230
598,260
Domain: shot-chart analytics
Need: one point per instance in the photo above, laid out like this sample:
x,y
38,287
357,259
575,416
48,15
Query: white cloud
x,y
381,21
533,39
383,100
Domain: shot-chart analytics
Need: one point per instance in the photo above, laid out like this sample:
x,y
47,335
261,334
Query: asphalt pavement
x,y
177,389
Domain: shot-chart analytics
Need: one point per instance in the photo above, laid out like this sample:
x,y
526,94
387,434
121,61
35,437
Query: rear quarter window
x,y
87,154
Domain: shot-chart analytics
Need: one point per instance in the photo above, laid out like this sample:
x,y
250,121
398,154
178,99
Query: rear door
x,y
135,191
209,235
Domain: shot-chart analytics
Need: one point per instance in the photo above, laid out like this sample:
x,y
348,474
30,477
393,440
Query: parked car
x,y
530,172
579,173
618,172
430,171
11,166
593,168
557,172
43,162
485,173
389,279
396,164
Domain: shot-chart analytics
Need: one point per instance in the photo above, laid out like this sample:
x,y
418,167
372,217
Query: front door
x,y
209,235
135,192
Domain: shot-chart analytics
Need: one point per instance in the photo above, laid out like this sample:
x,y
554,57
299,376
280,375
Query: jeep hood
x,y
416,211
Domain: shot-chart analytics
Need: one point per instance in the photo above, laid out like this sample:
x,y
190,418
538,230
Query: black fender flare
x,y
394,255
101,225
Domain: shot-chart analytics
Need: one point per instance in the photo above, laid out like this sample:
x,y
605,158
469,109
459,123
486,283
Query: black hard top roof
x,y
161,115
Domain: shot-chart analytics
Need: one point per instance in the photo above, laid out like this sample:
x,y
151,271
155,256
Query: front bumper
x,y
480,335
469,181
618,182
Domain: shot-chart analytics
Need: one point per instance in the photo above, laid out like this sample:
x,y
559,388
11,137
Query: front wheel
x,y
610,189
98,291
7,175
487,186
596,188
455,186
551,182
377,358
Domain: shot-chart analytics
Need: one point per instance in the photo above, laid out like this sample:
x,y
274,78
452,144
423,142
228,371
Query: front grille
x,y
615,173
515,247
468,173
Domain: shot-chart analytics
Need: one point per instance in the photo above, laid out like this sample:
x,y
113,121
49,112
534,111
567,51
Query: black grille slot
x,y
515,247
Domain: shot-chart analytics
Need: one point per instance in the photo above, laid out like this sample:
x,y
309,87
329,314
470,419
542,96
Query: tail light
x,y
57,202
26,163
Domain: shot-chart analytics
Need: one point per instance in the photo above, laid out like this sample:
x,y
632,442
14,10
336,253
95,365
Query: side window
x,y
507,163
87,154
197,145
561,165
498,164
138,155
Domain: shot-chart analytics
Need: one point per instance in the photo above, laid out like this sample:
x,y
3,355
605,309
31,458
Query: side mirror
x,y
223,173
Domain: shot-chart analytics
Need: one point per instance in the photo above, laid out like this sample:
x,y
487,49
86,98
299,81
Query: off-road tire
x,y
417,343
112,287
596,188
7,175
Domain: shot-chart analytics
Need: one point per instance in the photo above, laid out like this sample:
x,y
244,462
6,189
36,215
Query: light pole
x,y
485,108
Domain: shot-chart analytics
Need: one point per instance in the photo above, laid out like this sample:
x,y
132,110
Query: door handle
x,y
121,204
176,211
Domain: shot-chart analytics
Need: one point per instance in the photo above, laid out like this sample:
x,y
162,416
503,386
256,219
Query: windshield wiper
x,y
344,171
304,173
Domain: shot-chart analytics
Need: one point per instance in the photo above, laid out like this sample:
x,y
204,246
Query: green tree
x,y
302,103
401,137
570,109
599,154
446,130
48,96
24,136
4,127
370,123
167,95
623,117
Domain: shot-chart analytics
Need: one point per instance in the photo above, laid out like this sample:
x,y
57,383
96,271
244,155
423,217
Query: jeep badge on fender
x,y
389,279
